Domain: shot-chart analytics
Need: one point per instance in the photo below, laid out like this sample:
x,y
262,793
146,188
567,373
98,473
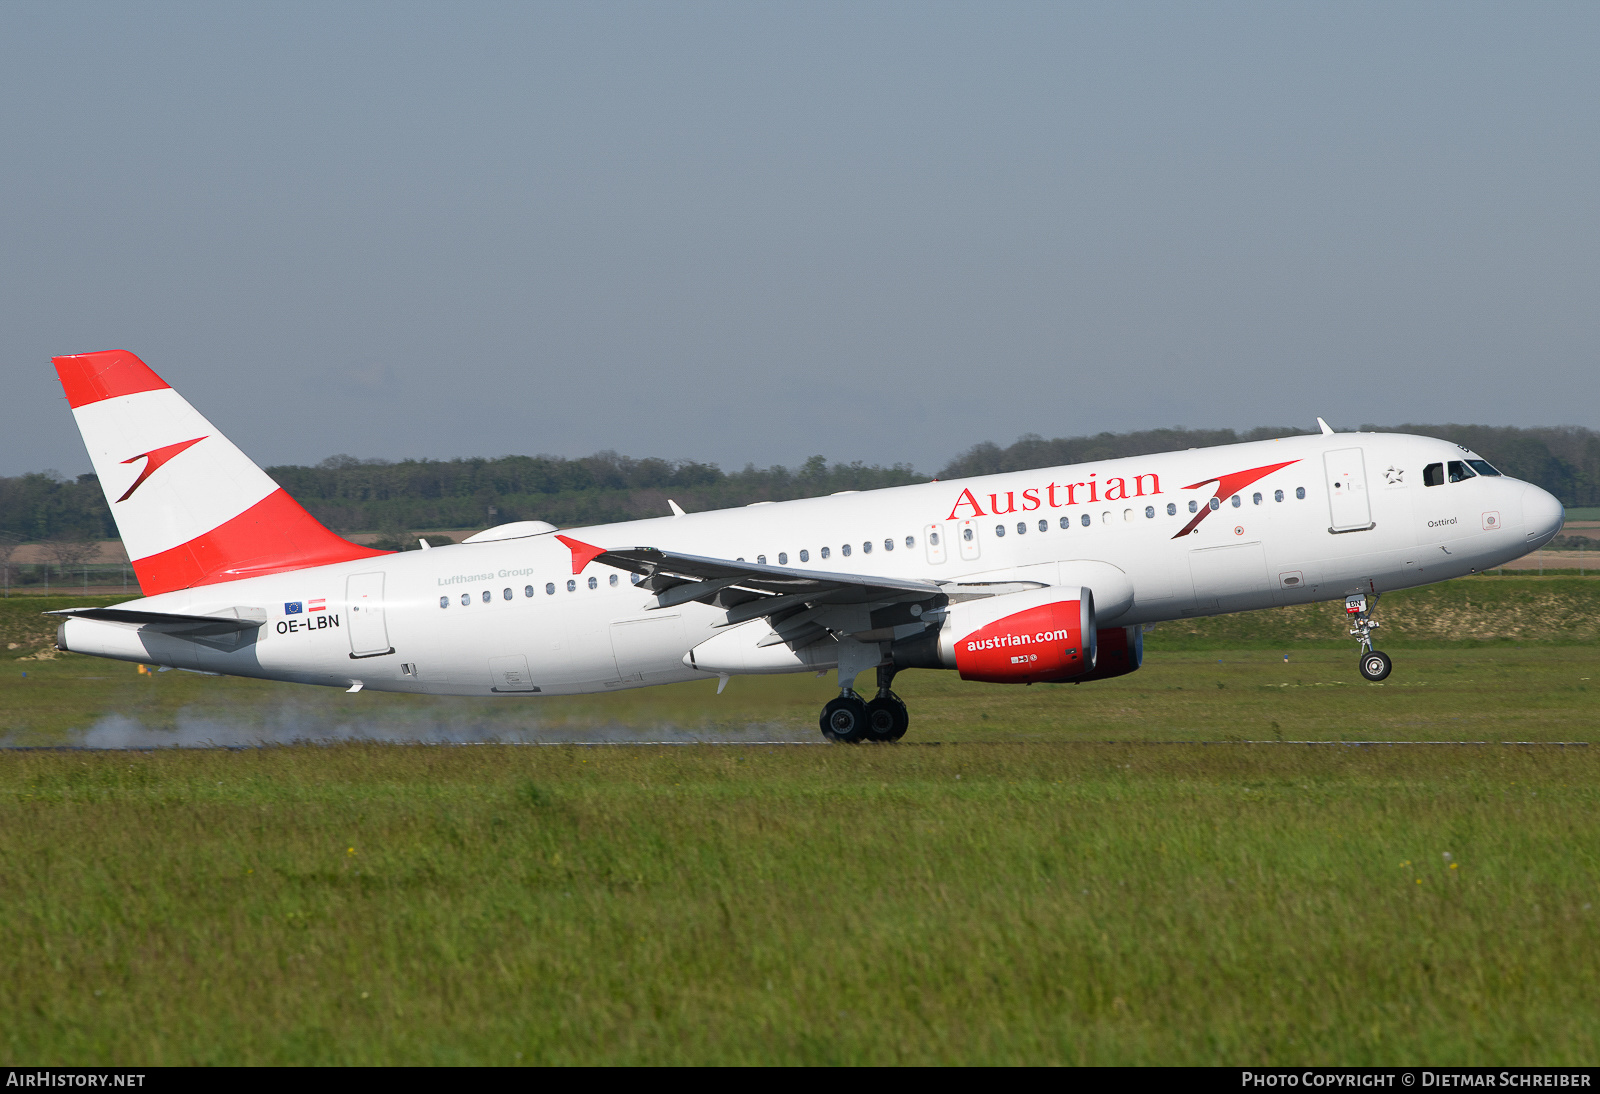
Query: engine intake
x,y
1121,651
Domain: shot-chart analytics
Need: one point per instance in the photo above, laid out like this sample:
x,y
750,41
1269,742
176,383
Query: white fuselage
x,y
504,617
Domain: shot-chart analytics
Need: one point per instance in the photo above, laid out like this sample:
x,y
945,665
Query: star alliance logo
x,y
1393,476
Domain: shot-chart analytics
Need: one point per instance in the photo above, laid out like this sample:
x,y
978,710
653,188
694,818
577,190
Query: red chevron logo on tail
x,y
156,457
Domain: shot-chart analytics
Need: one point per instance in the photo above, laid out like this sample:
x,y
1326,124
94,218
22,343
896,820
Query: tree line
x,y
394,499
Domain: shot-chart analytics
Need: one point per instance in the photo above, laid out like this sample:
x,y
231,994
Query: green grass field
x,y
1044,886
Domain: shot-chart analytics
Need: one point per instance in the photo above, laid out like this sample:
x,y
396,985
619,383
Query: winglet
x,y
677,510
582,553
1325,427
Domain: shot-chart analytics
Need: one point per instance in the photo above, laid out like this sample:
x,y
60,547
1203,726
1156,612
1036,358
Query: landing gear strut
x,y
850,720
1375,665
887,717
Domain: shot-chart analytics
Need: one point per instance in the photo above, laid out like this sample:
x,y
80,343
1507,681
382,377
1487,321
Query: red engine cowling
x,y
1121,651
1021,638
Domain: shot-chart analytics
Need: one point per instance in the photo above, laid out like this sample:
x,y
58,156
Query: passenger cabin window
x,y
1044,526
594,583
506,595
783,558
1236,501
1460,472
1255,499
911,541
888,544
487,596
1022,527
1084,520
1277,495
1066,522
1150,512
1482,467
1433,475
613,580
1300,493
1194,507
527,590
466,598
1172,510
444,602
966,534
845,550
826,552
572,586
866,548
550,588
933,538
805,556
1215,504
761,560
1000,531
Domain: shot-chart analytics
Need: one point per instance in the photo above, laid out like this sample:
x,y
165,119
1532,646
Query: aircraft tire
x,y
1375,666
887,718
844,720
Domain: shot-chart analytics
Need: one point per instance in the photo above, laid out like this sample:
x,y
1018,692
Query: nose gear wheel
x,y
1375,665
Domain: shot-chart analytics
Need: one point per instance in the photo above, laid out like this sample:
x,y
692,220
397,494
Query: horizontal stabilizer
x,y
181,624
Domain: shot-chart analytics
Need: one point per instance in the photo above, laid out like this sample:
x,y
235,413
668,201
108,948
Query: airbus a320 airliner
x,y
1048,575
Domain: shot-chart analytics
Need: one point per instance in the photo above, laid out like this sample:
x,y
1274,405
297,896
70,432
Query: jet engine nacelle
x,y
1017,638
1120,651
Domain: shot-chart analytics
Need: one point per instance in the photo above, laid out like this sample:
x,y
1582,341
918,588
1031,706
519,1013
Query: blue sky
x,y
752,232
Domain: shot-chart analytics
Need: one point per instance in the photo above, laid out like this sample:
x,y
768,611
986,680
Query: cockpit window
x,y
1433,475
1482,467
1460,472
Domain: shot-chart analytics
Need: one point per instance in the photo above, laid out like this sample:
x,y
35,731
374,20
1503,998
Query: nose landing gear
x,y
849,720
1375,665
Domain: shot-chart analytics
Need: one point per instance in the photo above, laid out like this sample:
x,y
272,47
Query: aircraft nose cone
x,y
1542,516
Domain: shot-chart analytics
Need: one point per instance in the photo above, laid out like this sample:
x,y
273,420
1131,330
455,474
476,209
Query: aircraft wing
x,y
747,590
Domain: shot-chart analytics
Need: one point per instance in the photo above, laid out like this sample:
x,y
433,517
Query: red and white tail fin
x,y
192,508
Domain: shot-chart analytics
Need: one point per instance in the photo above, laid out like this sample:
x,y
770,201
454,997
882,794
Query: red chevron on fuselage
x,y
1228,485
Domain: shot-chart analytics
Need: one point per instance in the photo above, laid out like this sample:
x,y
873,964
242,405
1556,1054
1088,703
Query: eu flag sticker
x,y
293,607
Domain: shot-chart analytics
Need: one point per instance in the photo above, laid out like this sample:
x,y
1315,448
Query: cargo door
x,y
1345,475
369,634
1231,578
510,673
648,646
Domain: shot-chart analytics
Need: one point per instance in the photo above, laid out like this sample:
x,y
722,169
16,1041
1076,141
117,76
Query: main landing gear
x,y
1375,665
850,720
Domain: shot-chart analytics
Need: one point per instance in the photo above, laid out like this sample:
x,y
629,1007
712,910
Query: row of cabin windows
x,y
844,551
487,596
933,538
1149,511
1459,471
